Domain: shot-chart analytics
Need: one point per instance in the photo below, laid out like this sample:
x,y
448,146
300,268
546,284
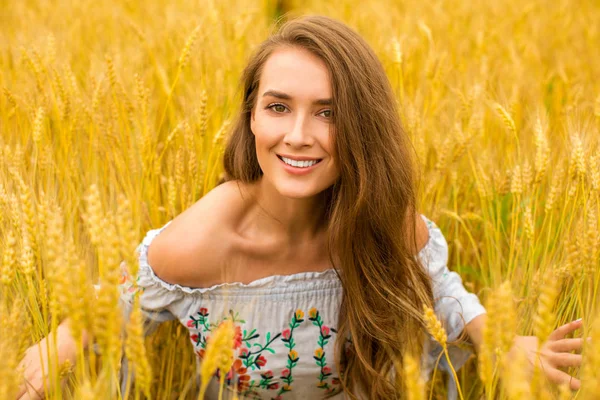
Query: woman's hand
x,y
554,353
35,363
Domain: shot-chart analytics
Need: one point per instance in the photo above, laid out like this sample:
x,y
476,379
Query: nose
x,y
299,134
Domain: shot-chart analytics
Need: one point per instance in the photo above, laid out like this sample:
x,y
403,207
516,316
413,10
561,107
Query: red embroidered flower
x,y
273,386
325,330
278,398
238,367
190,323
243,378
335,381
267,375
261,361
243,382
326,370
200,353
244,352
195,339
286,334
285,373
237,339
203,311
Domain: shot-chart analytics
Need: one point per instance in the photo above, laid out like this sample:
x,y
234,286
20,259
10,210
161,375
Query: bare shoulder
x,y
421,231
197,240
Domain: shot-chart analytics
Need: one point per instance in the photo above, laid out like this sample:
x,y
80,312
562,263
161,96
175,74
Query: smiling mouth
x,y
299,164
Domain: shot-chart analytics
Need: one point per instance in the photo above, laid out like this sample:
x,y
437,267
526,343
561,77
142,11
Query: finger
x,y
566,360
566,345
30,393
564,330
559,378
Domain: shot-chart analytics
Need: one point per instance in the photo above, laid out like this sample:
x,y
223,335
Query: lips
x,y
303,163
298,158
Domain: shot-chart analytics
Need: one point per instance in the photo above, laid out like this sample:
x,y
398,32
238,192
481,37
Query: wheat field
x,y
113,117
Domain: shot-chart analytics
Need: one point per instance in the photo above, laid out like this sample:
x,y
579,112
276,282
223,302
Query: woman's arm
x,y
555,353
35,362
474,331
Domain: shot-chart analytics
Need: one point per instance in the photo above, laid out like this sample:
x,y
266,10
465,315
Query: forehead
x,y
297,72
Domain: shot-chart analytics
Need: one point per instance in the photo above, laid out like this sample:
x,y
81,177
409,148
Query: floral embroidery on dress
x,y
251,353
292,359
319,355
255,360
127,286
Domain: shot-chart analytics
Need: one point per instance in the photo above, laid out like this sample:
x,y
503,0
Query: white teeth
x,y
300,164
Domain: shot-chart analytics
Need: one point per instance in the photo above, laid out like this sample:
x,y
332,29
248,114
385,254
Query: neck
x,y
291,221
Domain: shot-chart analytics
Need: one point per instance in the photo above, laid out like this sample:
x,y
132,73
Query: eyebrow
x,y
285,96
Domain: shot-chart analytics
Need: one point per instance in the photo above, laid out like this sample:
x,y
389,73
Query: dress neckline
x,y
299,281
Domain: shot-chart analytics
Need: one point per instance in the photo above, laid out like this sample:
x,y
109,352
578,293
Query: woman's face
x,y
291,122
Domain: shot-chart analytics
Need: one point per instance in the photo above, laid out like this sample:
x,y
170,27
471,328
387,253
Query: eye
x,y
277,107
326,113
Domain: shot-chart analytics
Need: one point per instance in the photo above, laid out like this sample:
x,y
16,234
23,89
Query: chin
x,y
297,190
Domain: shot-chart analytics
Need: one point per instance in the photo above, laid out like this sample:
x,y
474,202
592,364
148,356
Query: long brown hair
x,y
370,210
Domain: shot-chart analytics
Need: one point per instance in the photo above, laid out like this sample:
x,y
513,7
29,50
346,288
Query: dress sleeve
x,y
155,298
454,305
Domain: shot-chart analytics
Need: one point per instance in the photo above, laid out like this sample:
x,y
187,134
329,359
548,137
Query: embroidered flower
x,y
319,354
286,334
244,352
243,382
322,384
203,311
237,339
196,339
325,331
326,371
267,375
261,361
243,378
200,353
285,373
273,386
293,356
238,367
313,313
335,381
299,315
190,324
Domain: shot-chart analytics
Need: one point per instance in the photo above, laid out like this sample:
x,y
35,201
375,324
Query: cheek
x,y
329,143
265,134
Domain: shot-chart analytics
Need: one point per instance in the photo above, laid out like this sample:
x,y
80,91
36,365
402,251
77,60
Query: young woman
x,y
313,246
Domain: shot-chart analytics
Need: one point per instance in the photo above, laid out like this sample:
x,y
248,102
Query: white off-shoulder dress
x,y
287,323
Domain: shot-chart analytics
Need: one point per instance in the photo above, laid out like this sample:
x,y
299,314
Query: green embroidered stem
x,y
321,360
252,362
286,374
